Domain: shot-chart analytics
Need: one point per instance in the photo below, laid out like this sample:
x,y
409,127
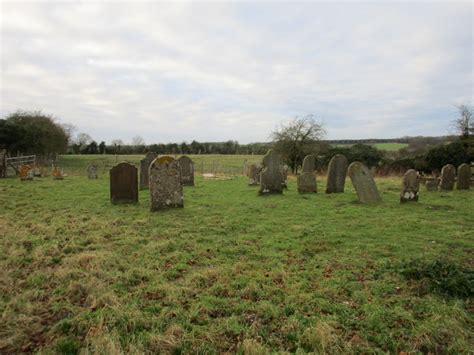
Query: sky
x,y
209,71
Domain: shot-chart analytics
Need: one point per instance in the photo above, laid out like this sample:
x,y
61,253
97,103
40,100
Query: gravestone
x,y
284,176
271,179
254,174
3,163
124,183
307,179
166,189
26,172
144,167
363,182
464,177
337,171
432,184
187,171
410,186
448,176
92,171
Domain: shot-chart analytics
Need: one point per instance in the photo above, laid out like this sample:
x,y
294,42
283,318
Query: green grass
x,y
224,164
232,271
381,146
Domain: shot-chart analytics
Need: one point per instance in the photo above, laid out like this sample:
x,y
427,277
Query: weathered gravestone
x,y
144,167
448,176
271,179
410,186
284,176
124,183
92,171
166,189
26,172
254,174
432,184
307,179
363,182
187,171
464,177
337,172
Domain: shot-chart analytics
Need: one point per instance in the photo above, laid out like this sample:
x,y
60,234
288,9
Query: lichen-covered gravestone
x,y
254,174
144,167
432,184
464,177
271,179
363,182
448,176
92,171
307,179
166,189
124,183
337,172
410,186
187,171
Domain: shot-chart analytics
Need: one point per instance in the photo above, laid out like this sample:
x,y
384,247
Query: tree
x,y
137,141
465,121
83,139
32,132
299,138
102,147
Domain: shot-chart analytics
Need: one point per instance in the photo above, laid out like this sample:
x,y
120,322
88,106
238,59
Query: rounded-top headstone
x,y
271,177
448,176
92,171
144,166
166,190
306,181
337,171
363,182
124,183
187,170
464,177
308,163
410,186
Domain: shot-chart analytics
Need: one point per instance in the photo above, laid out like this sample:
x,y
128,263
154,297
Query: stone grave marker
x,y
337,171
284,176
363,182
3,163
271,179
448,176
124,183
432,184
410,186
92,171
307,179
254,171
464,177
144,167
166,190
187,170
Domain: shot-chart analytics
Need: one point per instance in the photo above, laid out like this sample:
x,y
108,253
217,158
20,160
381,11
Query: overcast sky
x,y
214,72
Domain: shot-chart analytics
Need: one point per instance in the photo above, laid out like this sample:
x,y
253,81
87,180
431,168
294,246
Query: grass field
x,y
382,146
233,272
226,164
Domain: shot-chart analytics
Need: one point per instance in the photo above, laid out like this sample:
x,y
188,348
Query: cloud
x,y
214,71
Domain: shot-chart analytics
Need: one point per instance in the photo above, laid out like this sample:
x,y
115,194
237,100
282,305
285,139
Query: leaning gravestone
x,y
464,177
363,182
410,186
144,166
432,184
448,176
307,179
187,171
254,174
124,183
271,179
337,172
92,171
165,184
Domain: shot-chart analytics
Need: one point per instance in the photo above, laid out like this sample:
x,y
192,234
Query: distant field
x,y
382,146
204,163
233,272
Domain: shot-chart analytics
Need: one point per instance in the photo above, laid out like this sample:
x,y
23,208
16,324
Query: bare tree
x,y
465,122
138,141
83,139
117,142
300,137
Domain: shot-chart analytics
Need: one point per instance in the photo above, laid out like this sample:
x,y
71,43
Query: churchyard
x,y
236,269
